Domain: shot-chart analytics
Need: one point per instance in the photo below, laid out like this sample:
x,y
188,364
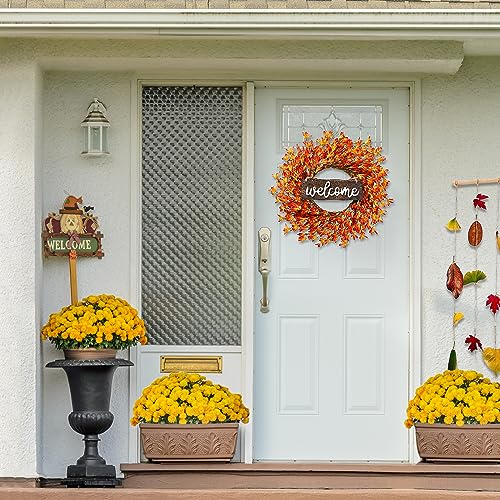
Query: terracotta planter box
x,y
176,442
451,443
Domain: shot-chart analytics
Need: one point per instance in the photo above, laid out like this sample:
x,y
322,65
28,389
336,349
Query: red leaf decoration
x,y
479,201
474,343
493,302
454,280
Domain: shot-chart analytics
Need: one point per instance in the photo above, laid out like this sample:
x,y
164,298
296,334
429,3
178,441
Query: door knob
x,y
264,265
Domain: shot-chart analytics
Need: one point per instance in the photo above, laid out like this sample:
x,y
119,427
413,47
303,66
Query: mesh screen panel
x,y
191,214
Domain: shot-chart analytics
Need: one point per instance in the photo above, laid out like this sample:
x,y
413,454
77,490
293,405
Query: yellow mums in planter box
x,y
97,321
455,397
188,398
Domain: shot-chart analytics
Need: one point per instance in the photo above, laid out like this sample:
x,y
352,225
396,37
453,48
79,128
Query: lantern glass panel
x,y
95,140
85,139
105,139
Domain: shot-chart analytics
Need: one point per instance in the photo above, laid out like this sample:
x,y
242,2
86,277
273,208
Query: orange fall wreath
x,y
360,161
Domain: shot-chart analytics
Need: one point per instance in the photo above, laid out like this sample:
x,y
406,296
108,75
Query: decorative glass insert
x,y
191,214
356,121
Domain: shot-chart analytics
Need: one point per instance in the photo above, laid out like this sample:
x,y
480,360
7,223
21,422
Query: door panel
x,y
191,230
331,356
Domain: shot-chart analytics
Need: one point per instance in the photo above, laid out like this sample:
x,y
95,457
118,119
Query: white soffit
x,y
257,69
478,29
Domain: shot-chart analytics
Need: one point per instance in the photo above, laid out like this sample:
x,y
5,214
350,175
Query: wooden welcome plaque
x,y
332,189
72,230
72,233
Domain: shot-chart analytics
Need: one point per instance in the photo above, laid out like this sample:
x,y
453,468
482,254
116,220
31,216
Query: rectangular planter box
x,y
200,442
453,443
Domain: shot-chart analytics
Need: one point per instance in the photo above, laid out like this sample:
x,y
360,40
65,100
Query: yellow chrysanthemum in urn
x,y
97,321
455,397
188,398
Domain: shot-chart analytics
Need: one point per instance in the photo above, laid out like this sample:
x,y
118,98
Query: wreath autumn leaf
x,y
359,160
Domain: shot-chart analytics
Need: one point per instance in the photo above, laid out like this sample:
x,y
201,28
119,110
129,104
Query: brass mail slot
x,y
191,364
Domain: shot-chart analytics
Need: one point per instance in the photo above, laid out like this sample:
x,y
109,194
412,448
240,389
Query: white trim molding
x,y
360,24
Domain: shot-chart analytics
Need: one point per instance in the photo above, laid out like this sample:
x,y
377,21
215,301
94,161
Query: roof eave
x,y
272,23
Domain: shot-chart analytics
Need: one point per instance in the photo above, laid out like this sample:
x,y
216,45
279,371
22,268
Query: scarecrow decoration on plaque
x,y
72,233
298,189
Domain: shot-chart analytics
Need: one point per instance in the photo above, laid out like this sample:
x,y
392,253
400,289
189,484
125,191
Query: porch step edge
x,y
327,468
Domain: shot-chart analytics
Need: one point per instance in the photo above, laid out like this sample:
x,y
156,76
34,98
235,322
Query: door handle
x,y
264,265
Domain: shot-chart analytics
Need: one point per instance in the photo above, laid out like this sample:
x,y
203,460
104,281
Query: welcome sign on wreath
x,y
297,189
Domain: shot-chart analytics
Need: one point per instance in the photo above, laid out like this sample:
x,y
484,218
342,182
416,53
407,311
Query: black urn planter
x,y
90,383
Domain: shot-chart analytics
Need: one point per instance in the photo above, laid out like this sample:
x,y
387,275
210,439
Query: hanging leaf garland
x,y
454,283
491,355
457,317
452,360
475,234
453,225
479,201
454,280
474,277
360,160
493,302
473,343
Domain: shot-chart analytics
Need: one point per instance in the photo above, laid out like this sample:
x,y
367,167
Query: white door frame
x,y
249,237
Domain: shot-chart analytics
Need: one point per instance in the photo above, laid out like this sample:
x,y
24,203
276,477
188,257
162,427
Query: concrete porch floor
x,y
279,481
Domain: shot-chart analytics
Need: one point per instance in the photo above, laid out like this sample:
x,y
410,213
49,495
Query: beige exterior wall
x,y
20,265
105,184
39,161
460,139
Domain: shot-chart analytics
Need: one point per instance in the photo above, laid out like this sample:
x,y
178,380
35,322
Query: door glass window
x,y
356,121
191,214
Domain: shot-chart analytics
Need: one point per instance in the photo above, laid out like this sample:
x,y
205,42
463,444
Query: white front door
x,y
331,355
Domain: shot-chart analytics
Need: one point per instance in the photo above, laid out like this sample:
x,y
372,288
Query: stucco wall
x,y
19,265
459,117
105,184
461,139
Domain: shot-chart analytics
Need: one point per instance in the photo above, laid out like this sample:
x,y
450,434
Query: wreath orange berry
x,y
360,161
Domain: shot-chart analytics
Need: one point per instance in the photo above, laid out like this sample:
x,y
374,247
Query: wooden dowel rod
x,y
72,278
474,182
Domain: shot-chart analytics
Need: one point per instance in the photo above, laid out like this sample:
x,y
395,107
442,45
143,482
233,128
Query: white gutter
x,y
344,23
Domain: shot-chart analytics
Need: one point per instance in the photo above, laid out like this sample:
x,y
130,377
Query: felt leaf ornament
x,y
475,234
453,225
493,302
457,317
491,359
479,201
474,277
474,343
498,241
452,361
454,280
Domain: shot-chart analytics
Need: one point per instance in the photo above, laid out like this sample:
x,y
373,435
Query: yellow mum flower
x,y
455,397
92,322
188,398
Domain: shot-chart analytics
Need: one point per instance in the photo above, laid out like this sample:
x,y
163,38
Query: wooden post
x,y
72,277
